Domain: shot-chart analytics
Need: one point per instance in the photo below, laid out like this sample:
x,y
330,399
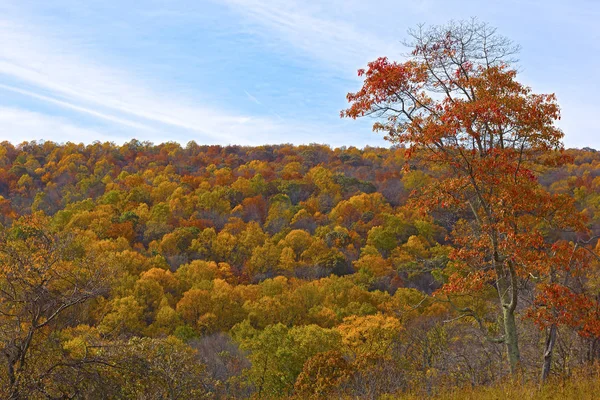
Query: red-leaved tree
x,y
456,103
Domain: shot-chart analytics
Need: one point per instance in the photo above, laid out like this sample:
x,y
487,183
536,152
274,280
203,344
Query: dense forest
x,y
162,271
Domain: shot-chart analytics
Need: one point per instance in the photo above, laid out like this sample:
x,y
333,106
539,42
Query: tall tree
x,y
457,104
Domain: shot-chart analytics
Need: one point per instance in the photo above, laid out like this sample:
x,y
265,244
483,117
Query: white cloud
x,y
18,125
252,98
337,42
74,107
55,71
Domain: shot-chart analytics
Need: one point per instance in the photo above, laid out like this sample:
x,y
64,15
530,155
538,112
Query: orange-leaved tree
x,y
456,103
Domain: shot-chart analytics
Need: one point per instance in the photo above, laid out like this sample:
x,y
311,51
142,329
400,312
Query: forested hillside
x,y
161,271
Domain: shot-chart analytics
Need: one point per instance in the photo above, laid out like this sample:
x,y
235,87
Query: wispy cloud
x,y
74,107
27,125
54,71
252,98
335,42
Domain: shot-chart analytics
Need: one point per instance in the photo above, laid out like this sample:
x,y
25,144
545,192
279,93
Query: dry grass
x,y
583,385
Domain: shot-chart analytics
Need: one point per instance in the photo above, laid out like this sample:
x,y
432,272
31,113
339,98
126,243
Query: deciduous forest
x,y
464,256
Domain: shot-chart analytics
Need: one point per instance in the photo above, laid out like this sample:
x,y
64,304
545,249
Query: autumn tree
x,y
278,353
456,104
322,374
160,369
44,276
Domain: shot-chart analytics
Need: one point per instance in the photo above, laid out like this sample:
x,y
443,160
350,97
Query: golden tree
x,y
44,276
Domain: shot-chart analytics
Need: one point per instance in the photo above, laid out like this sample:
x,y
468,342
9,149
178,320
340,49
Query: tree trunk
x,y
511,339
550,341
551,338
507,291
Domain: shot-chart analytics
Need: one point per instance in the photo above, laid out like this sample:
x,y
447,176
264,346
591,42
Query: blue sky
x,y
255,72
